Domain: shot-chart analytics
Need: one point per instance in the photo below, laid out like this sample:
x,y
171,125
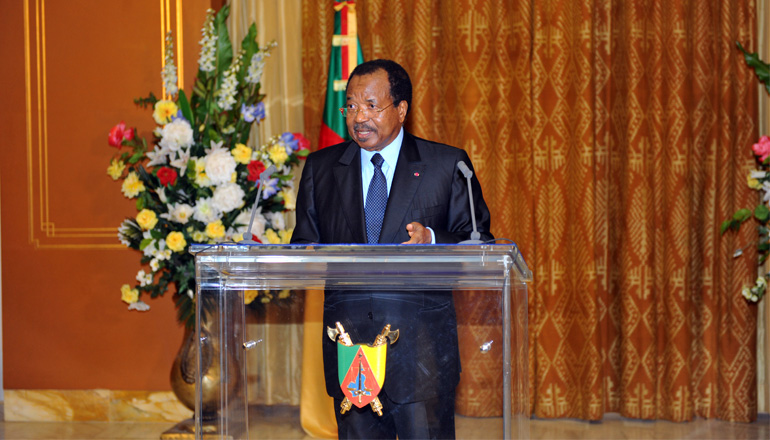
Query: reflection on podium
x,y
490,292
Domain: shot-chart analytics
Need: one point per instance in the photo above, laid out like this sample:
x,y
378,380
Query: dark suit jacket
x,y
427,188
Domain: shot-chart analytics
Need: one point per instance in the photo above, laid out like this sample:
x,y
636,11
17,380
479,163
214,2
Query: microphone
x,y
475,235
264,176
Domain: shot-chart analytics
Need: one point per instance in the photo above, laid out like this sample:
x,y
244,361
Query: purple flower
x,y
253,112
178,115
270,189
290,141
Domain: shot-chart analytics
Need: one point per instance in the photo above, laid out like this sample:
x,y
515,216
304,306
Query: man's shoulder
x,y
437,149
330,154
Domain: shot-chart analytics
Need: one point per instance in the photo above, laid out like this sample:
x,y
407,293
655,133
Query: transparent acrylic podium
x,y
493,277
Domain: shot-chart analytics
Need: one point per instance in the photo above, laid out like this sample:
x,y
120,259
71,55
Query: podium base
x,y
185,430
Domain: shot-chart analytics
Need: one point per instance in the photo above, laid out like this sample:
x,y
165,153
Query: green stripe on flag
x,y
334,129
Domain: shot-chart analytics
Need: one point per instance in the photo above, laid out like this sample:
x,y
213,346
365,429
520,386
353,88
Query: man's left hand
x,y
418,234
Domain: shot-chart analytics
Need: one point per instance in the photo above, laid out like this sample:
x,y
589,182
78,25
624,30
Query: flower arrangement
x,y
198,182
759,180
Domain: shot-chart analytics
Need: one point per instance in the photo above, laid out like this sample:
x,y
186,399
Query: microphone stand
x,y
475,235
248,237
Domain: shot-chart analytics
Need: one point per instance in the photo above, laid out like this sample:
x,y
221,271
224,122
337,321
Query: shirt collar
x,y
389,153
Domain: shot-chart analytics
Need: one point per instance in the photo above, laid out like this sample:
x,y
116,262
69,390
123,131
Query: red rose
x,y
167,176
302,141
255,169
118,134
128,134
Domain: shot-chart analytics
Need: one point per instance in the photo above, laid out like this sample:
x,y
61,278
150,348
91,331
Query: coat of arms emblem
x,y
361,367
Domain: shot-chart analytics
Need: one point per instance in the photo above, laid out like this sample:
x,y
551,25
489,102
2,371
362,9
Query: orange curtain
x,y
611,138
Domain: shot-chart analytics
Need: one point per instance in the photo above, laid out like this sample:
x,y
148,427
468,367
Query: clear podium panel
x,y
261,342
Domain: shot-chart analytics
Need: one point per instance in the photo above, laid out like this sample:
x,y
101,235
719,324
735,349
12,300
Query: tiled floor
x,y
612,427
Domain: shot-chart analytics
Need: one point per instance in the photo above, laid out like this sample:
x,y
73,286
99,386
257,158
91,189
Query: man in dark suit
x,y
387,186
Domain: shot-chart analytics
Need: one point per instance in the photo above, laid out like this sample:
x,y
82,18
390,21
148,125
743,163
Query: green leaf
x,y
761,68
224,47
762,213
139,204
742,215
250,47
146,102
184,105
144,243
302,153
136,157
725,226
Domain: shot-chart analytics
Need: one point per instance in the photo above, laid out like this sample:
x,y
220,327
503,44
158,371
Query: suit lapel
x,y
406,180
347,175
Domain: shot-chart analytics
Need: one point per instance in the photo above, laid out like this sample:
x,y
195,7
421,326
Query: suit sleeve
x,y
460,222
306,228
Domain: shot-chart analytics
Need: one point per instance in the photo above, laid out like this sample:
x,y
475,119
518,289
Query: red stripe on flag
x,y
328,137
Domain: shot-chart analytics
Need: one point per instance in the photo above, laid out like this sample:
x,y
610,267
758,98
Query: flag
x,y
345,56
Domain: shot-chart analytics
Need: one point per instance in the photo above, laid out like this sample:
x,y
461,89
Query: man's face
x,y
371,130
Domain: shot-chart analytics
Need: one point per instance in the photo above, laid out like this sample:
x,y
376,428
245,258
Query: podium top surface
x,y
355,266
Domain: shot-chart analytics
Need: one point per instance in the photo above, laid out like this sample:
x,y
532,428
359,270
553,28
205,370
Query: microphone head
x,y
264,175
464,169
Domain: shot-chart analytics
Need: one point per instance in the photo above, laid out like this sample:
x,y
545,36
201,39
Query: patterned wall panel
x,y
611,139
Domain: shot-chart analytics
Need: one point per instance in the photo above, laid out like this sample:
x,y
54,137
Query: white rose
x,y
176,134
220,166
205,212
228,197
277,220
258,228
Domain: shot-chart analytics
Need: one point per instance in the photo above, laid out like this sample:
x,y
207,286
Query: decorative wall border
x,y
43,232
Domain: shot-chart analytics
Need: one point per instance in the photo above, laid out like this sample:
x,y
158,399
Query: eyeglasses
x,y
370,111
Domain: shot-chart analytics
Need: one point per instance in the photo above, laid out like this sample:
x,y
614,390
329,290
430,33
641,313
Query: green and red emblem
x,y
361,371
361,367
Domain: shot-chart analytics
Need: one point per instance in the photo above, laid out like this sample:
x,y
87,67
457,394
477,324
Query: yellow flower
x,y
146,219
272,237
128,295
164,110
283,294
289,199
199,236
132,186
175,241
201,179
241,153
215,229
753,183
285,236
115,170
249,296
277,154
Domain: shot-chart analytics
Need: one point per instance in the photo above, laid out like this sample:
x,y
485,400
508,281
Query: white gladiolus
x,y
180,213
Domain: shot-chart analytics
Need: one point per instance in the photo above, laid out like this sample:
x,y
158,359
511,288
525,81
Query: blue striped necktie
x,y
376,201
